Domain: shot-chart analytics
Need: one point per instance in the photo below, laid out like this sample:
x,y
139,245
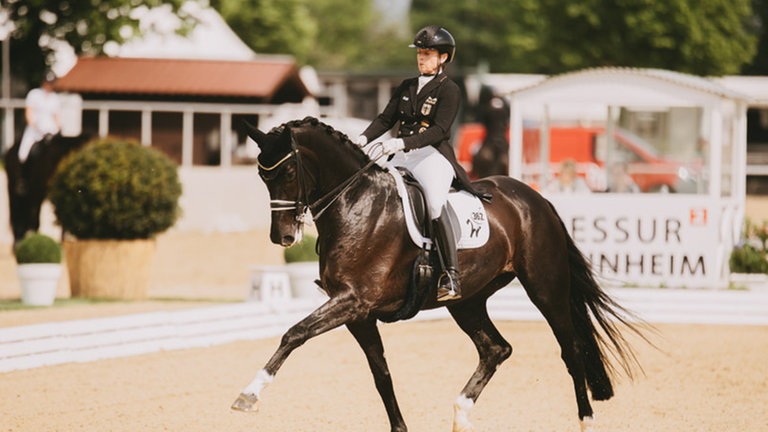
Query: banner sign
x,y
647,240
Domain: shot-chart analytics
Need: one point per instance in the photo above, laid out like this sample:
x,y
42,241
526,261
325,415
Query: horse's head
x,y
279,168
302,163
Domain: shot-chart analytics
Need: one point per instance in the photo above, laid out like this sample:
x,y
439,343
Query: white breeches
x,y
433,171
30,137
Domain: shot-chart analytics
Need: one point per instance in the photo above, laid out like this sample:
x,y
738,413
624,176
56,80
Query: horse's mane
x,y
315,123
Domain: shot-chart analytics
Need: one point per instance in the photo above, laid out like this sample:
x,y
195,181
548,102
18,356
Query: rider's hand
x,y
361,141
392,146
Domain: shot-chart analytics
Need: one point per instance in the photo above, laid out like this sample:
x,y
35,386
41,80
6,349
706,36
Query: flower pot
x,y
109,269
302,276
38,283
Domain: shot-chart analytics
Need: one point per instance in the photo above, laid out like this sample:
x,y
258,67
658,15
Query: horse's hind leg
x,y
472,317
554,304
335,312
367,336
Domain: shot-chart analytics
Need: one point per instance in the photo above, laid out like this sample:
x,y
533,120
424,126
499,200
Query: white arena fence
x,y
32,346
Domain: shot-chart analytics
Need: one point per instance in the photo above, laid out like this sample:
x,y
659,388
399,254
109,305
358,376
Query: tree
x,y
704,37
88,26
505,35
327,34
759,65
272,26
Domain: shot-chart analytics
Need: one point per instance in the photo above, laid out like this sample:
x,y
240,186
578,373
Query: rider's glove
x,y
392,146
361,141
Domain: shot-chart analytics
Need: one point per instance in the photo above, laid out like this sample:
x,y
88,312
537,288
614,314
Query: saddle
x,y
472,232
466,212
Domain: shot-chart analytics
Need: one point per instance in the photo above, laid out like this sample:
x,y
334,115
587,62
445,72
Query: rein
x,y
299,205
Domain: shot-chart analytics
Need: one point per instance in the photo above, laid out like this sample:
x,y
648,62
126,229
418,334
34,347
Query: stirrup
x,y
447,289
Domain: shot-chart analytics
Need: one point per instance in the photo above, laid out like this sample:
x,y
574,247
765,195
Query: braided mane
x,y
316,123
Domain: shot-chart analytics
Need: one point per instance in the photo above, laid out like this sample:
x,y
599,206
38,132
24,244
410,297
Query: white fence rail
x,y
32,346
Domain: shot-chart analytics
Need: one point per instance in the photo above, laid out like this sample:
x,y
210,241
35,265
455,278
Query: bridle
x,y
301,204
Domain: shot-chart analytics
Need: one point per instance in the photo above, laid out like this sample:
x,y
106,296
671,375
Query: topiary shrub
x,y
115,188
302,251
36,248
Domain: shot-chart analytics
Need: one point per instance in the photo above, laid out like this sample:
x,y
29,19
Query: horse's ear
x,y
253,132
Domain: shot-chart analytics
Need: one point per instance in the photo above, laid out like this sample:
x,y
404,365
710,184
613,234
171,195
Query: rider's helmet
x,y
435,37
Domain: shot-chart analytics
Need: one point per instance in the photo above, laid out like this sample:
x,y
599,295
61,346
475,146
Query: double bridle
x,y
301,204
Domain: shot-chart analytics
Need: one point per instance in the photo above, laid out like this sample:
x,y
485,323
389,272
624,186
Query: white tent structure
x,y
652,239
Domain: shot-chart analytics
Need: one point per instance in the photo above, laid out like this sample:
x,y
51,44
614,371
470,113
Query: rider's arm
x,y
387,119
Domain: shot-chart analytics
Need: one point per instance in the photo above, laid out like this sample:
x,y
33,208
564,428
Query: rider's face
x,y
429,60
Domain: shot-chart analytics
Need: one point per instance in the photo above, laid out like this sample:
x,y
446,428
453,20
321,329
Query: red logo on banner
x,y
698,216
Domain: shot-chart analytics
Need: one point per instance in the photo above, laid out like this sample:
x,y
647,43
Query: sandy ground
x,y
702,378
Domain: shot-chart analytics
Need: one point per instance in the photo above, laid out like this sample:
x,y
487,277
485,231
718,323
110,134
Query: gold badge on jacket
x,y
428,104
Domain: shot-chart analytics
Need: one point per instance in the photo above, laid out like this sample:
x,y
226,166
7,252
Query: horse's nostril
x,y
287,240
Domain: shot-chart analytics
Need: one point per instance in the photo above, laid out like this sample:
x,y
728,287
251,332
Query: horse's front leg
x,y
492,349
367,336
335,312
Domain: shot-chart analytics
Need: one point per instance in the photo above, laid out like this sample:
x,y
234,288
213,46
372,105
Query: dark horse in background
x,y
492,158
366,257
28,182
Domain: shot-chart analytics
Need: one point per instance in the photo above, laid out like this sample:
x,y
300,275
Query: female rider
x,y
424,109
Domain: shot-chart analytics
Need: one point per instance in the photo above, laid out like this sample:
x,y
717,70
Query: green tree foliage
x,y
327,34
87,25
759,64
272,26
705,37
503,34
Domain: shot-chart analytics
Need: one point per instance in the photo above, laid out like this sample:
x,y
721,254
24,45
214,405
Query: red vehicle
x,y
588,147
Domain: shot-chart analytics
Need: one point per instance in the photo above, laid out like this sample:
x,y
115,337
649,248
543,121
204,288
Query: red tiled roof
x,y
258,78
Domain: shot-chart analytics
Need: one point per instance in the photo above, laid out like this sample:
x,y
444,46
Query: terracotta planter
x,y
38,283
110,269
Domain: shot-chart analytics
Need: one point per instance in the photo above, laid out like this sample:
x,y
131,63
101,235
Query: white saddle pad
x,y
468,217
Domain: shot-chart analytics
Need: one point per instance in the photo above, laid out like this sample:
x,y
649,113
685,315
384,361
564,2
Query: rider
x,y
424,108
42,113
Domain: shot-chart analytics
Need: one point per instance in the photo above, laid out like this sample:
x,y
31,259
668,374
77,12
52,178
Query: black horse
x,y
28,181
366,257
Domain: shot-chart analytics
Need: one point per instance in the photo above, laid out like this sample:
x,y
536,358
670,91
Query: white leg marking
x,y
262,380
461,408
588,424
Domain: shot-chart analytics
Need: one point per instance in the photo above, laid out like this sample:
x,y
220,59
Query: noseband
x,y
300,205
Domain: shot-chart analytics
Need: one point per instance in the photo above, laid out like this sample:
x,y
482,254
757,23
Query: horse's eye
x,y
290,172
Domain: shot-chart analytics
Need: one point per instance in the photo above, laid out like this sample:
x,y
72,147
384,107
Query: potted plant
x,y
112,197
39,268
301,263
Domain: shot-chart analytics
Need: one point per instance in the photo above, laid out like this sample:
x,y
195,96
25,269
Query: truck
x,y
588,146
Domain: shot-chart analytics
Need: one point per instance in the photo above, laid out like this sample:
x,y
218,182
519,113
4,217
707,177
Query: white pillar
x,y
226,138
187,138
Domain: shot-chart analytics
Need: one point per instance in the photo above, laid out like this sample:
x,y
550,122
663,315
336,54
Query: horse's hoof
x,y
246,403
588,424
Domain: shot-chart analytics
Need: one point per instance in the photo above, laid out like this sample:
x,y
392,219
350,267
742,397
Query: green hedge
x,y
115,188
37,248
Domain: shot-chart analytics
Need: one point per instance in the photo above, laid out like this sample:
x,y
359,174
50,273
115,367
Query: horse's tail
x,y
588,298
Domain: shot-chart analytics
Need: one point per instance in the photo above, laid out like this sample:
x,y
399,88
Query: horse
x,y
492,158
28,182
366,258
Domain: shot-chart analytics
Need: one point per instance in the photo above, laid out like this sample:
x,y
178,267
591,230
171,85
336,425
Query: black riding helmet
x,y
435,37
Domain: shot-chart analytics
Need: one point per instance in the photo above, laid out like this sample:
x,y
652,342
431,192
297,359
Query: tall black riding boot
x,y
448,287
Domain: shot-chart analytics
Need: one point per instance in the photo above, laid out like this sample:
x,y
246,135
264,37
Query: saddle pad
x,y
466,211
